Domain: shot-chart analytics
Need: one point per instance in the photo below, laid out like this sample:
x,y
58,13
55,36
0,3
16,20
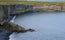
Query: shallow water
x,y
48,26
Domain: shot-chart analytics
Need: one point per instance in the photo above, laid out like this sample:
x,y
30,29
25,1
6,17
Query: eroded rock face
x,y
5,35
10,26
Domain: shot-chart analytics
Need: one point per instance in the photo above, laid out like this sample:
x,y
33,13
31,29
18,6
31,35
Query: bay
x,y
48,26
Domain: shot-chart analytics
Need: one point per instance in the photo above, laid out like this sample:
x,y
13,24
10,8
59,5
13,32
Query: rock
x,y
5,35
7,28
10,26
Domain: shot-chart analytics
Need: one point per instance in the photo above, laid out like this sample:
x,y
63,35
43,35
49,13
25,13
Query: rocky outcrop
x,y
7,28
10,26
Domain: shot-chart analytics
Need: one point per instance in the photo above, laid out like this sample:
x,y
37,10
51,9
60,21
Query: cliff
x,y
22,8
7,10
59,7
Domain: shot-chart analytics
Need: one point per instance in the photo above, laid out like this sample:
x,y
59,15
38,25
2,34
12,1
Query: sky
x,y
49,0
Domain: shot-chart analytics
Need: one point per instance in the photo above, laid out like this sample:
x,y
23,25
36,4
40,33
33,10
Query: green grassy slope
x,y
26,2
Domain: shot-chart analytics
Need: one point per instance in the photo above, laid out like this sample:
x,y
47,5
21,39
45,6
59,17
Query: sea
x,y
47,26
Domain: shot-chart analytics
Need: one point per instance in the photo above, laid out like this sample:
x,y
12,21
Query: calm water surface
x,y
48,26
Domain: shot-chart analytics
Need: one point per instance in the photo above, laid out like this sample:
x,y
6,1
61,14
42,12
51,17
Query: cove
x,y
48,26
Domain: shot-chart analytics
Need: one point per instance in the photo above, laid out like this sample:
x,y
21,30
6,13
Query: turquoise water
x,y
48,26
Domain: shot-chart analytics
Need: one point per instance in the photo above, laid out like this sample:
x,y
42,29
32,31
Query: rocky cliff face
x,y
49,7
22,8
1,14
59,7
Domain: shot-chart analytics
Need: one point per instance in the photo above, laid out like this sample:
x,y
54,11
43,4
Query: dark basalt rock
x,y
5,35
7,28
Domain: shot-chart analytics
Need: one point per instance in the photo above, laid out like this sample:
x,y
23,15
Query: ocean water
x,y
48,26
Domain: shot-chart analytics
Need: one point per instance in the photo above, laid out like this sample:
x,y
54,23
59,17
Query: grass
x,y
26,2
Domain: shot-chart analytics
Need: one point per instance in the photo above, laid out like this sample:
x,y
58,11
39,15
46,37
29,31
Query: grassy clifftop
x,y
27,2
